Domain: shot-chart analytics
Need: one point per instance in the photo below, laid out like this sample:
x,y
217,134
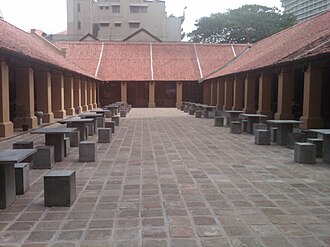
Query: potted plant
x,y
21,112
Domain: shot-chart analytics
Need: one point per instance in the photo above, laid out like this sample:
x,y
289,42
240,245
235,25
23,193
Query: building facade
x,y
117,20
304,9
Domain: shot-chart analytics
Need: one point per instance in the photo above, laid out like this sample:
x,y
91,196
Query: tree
x,y
247,24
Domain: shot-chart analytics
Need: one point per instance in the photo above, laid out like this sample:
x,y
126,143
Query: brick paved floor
x,y
169,179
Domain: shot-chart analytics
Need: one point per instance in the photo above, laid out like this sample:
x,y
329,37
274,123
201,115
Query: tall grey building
x,y
122,20
304,9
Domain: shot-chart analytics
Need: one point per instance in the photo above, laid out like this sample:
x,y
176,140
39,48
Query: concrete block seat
x,y
262,137
295,137
87,151
219,121
198,114
116,120
305,153
22,178
123,113
23,145
273,134
110,125
236,127
192,110
90,129
44,157
59,188
259,126
66,146
318,142
74,138
100,122
104,135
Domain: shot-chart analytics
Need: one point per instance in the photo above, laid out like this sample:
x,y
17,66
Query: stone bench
x,y
23,145
87,151
116,120
273,134
104,135
74,138
90,129
44,157
319,146
244,125
262,137
218,121
192,111
59,188
305,153
123,113
100,122
198,114
66,146
259,126
236,127
110,125
22,178
295,137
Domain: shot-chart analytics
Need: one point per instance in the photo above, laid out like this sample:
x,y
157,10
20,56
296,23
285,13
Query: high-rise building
x,y
304,9
122,20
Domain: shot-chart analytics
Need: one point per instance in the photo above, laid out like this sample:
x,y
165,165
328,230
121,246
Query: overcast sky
x,y
50,15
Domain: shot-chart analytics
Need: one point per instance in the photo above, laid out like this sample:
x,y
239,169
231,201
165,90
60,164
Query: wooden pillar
x,y
238,93
207,93
6,126
285,94
84,103
178,94
221,94
265,95
312,97
89,95
151,103
213,100
123,90
43,84
24,97
94,95
68,95
249,97
77,95
58,95
229,87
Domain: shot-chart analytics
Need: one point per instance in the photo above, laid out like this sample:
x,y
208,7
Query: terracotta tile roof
x,y
15,42
305,39
132,61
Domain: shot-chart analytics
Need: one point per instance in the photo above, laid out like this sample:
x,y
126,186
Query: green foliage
x,y
247,24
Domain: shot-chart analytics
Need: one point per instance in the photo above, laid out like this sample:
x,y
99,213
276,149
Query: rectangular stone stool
x,y
23,145
104,135
192,111
116,120
90,130
186,109
87,151
44,158
236,127
259,126
273,134
305,153
319,146
123,113
66,146
262,137
198,114
244,125
110,125
74,138
108,114
100,122
22,178
182,107
59,188
218,121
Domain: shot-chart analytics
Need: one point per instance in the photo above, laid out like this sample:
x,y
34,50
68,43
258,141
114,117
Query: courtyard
x,y
170,179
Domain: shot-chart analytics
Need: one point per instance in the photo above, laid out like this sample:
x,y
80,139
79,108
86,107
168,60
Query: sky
x,y
50,15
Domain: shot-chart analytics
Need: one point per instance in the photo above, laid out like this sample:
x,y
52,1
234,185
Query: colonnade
x,y
252,93
38,88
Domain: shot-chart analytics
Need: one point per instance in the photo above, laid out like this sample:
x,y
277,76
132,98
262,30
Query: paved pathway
x,y
169,179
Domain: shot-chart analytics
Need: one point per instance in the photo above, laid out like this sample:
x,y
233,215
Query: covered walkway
x,y
169,179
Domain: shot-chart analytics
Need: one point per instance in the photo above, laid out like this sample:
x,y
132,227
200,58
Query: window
x,y
134,24
78,7
115,8
79,25
104,24
139,9
117,24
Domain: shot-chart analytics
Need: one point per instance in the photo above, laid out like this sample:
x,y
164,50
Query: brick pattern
x,y
169,179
